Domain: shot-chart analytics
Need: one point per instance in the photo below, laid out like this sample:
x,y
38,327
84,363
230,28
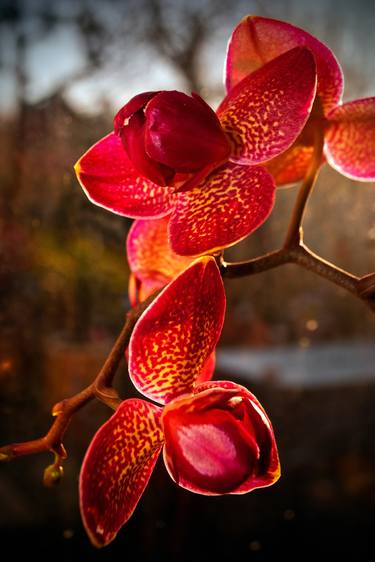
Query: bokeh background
x,y
305,347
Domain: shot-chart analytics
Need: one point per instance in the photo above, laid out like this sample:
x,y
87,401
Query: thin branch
x,y
294,233
361,287
101,388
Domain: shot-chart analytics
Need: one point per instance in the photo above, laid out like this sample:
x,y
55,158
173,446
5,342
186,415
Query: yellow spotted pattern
x,y
117,467
176,334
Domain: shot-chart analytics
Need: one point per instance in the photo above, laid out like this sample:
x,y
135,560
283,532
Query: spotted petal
x,y
208,369
350,139
226,207
257,40
291,166
219,441
174,337
149,253
110,180
117,467
139,291
265,112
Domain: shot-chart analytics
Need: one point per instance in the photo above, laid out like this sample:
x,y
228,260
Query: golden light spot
x,y
312,325
5,365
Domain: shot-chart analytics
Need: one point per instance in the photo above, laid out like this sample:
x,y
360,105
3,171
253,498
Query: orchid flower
x,y
348,129
170,154
215,436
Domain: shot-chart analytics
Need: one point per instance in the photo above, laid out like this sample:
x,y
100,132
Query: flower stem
x,y
294,232
101,388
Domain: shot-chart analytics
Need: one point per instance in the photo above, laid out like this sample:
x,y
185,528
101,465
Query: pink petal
x,y
264,114
219,441
149,253
110,180
174,337
257,40
225,208
350,139
117,468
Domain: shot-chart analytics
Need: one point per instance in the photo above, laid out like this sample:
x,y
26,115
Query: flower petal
x,y
110,180
136,103
174,337
257,40
183,132
149,253
264,114
117,467
219,441
139,291
226,207
291,166
268,471
350,139
133,140
208,369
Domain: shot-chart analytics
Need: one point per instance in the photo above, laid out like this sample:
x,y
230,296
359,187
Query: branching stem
x,y
293,251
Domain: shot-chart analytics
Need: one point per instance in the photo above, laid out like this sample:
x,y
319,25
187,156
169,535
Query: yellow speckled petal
x,y
257,40
291,166
117,468
174,337
230,204
265,112
350,139
149,253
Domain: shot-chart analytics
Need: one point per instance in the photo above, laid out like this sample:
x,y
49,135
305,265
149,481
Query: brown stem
x,y
294,233
100,388
362,287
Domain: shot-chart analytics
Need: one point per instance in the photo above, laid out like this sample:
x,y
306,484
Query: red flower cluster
x,y
216,436
199,181
171,155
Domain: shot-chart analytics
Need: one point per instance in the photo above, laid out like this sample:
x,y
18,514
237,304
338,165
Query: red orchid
x,y
170,154
349,129
216,436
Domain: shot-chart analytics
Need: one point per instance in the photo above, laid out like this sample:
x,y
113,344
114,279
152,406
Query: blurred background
x,y
302,345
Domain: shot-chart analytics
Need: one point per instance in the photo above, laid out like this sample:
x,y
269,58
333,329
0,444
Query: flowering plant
x,y
197,182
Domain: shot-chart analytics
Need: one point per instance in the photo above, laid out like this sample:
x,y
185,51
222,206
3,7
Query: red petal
x,y
183,132
229,205
110,180
136,103
208,369
219,441
350,139
117,468
176,334
268,469
265,112
257,40
291,166
139,291
149,253
133,139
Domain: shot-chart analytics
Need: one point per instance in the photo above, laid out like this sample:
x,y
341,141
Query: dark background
x,y
65,68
